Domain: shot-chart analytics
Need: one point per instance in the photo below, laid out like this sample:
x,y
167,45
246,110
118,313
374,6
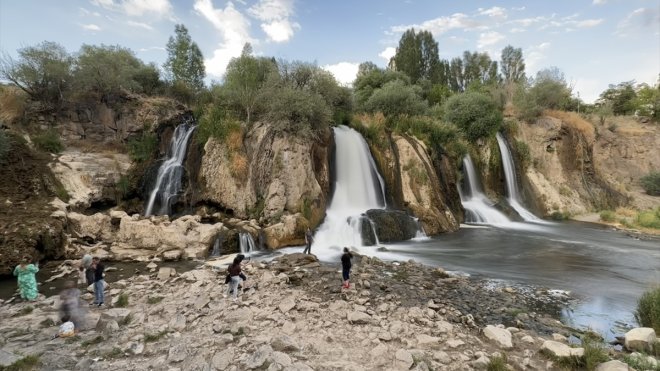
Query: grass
x,y
238,166
97,340
649,219
607,216
114,353
141,148
48,141
23,364
48,322
24,311
122,300
151,338
594,353
13,102
648,309
126,320
154,299
497,364
574,120
640,363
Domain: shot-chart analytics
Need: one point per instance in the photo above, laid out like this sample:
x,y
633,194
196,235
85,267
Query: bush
x,y
649,219
524,155
12,103
475,114
648,309
141,148
651,183
607,216
122,300
48,141
498,364
217,123
5,145
302,112
396,98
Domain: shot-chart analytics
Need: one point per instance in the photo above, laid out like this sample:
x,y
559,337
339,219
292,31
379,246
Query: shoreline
x,y
594,219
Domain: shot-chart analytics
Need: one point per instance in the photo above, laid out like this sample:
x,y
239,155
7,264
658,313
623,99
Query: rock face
x,y
641,338
390,226
413,184
270,176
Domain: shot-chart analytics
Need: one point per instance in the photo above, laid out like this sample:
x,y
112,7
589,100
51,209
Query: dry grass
x,y
12,103
369,119
235,140
239,166
626,211
574,120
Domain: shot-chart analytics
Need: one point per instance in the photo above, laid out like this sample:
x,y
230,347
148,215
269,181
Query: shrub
x,y
650,183
5,145
475,114
396,98
217,123
48,141
607,216
302,112
122,300
524,155
594,353
649,219
141,148
12,103
497,363
648,309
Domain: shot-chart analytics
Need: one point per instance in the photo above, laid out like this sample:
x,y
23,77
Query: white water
x,y
216,245
479,209
246,243
513,195
168,180
358,188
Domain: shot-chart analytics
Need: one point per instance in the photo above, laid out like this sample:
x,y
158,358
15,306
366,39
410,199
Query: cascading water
x,y
358,188
168,180
513,195
216,245
246,243
478,207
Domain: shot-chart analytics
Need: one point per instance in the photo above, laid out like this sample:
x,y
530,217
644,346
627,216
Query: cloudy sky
x,y
595,42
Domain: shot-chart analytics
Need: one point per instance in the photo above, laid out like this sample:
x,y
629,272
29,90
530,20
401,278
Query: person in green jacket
x,y
27,281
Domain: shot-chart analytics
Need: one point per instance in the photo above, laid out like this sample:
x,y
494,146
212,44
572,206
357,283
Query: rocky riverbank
x,y
293,315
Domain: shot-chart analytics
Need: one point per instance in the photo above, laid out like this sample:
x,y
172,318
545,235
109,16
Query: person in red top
x,y
234,271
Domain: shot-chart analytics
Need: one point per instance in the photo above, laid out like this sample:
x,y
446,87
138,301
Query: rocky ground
x,y
293,315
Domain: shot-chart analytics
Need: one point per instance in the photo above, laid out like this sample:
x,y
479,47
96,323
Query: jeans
x,y
233,286
99,296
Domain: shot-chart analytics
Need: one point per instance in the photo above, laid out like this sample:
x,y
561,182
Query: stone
x,y
281,359
222,360
202,301
110,327
177,353
164,273
559,337
287,304
172,255
481,363
284,343
403,359
152,266
424,340
178,322
501,337
258,357
298,366
640,339
614,365
379,351
528,340
442,357
135,347
359,318
7,358
560,350
454,343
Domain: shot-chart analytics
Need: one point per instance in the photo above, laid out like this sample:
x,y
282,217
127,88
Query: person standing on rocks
x,y
70,307
86,266
309,239
235,276
99,283
346,268
27,280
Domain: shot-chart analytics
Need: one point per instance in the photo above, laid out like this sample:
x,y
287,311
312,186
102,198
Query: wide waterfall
x,y
168,180
478,208
358,188
513,195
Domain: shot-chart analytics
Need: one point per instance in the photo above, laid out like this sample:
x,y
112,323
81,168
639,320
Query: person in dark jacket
x,y
346,268
234,273
99,283
309,238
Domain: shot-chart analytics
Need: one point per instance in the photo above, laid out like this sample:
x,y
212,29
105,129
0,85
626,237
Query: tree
x,y
473,69
550,90
622,97
185,62
475,114
512,65
417,57
374,78
396,98
42,71
244,79
107,70
648,101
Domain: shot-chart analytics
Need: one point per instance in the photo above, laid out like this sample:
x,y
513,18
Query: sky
x,y
594,42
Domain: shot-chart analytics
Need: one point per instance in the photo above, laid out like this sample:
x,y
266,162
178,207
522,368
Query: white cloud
x,y
86,12
140,25
138,8
588,23
535,54
160,48
91,27
388,53
438,26
639,20
599,2
517,30
275,15
489,38
234,30
344,72
494,12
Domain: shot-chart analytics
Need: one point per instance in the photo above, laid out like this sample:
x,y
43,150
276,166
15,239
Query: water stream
x,y
478,208
168,180
246,243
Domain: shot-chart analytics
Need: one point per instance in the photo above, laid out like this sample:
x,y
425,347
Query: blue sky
x,y
594,42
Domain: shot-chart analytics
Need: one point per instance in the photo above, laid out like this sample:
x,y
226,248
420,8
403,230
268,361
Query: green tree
x,y
512,65
185,62
107,70
42,71
396,98
245,78
476,114
474,69
550,90
648,101
371,79
417,57
622,97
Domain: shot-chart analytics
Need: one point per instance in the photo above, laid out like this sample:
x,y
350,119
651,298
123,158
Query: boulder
x,y
222,360
288,232
391,225
164,273
613,366
258,357
178,322
284,343
288,262
499,336
404,359
641,339
287,304
95,227
560,350
426,341
177,353
359,318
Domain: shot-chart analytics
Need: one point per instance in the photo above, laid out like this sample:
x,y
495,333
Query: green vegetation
x,y
475,114
498,363
649,219
594,352
641,362
97,340
126,320
548,90
48,322
142,148
524,156
150,338
648,309
607,216
122,300
48,141
185,62
24,364
5,145
650,183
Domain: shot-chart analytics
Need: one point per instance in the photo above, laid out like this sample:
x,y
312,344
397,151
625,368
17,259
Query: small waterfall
x,y
358,188
216,245
168,181
421,235
373,229
478,208
513,195
246,243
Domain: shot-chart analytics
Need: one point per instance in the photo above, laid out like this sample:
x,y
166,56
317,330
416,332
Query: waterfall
x,y
168,180
358,188
246,243
478,208
513,195
216,245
